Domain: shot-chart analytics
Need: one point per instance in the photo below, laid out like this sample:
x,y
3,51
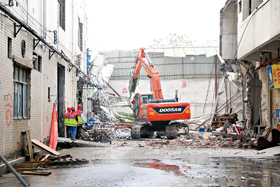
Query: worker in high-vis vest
x,y
72,123
80,121
66,121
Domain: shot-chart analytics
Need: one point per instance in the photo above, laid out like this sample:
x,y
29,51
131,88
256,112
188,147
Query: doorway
x,y
60,96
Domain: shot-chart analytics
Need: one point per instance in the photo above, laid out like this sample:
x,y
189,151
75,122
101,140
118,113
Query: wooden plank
x,y
84,135
43,147
45,173
45,157
29,144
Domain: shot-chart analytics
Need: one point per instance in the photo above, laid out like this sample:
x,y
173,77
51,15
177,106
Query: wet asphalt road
x,y
131,165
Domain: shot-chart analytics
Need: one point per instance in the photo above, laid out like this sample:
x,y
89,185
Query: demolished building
x,y
250,46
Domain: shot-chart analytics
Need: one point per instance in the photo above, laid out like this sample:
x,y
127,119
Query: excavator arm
x,y
143,60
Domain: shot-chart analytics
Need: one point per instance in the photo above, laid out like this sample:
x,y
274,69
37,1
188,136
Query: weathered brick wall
x,y
40,109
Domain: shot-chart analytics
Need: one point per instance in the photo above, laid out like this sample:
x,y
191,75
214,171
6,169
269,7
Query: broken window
x,y
9,47
37,62
80,35
62,14
21,91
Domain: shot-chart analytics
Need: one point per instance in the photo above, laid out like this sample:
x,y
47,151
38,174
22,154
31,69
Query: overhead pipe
x,y
41,39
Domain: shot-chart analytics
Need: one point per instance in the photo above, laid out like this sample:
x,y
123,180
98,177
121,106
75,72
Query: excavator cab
x,y
139,100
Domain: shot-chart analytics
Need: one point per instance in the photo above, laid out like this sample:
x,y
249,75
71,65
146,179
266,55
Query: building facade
x,y
255,49
43,57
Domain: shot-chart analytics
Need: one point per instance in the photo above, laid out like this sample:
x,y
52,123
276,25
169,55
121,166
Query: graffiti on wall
x,y
264,96
9,109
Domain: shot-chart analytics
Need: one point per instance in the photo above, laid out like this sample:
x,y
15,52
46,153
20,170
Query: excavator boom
x,y
143,60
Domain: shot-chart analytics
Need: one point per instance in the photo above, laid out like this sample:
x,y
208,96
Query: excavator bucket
x,y
132,85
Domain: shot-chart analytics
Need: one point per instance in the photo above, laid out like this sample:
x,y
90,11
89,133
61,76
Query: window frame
x,y
80,34
21,92
62,15
37,62
10,48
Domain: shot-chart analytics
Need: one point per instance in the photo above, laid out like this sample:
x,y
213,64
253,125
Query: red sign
x,y
184,84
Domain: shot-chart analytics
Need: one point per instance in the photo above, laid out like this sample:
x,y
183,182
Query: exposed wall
x,y
229,31
270,100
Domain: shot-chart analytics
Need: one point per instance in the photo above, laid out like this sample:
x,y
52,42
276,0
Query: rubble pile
x,y
105,134
196,140
43,161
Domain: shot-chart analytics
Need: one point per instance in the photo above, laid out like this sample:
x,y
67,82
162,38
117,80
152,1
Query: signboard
x,y
274,76
270,77
88,59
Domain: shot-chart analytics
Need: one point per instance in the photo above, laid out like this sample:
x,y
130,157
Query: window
x,y
49,94
9,47
250,7
62,14
146,98
37,62
21,97
240,6
80,35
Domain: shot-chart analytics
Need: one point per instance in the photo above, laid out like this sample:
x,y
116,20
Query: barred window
x,y
21,92
80,34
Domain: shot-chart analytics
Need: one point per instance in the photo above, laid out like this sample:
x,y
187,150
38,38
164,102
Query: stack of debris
x,y
204,140
220,120
106,132
100,134
43,162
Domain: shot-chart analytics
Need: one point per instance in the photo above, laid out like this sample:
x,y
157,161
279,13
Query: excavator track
x,y
173,130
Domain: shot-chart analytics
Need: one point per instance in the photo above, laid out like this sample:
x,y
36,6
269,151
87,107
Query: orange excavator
x,y
157,113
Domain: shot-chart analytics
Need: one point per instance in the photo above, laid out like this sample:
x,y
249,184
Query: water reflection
x,y
235,171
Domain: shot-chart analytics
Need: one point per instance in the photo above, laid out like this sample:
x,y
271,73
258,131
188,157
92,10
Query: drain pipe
x,y
13,170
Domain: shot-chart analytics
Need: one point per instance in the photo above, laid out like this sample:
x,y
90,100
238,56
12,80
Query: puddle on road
x,y
223,171
179,171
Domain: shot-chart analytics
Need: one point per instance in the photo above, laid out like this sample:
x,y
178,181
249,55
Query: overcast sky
x,y
131,24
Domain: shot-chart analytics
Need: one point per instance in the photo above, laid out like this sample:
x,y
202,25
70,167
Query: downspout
x,y
44,35
58,20
73,56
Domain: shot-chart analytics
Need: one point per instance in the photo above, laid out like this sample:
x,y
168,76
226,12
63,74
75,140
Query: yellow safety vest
x,y
72,122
